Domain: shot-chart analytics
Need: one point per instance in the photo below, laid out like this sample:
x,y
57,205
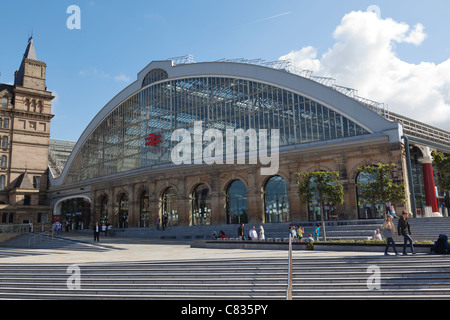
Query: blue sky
x,y
86,68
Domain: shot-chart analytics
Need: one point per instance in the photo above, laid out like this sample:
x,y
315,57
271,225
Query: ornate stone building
x,y
25,117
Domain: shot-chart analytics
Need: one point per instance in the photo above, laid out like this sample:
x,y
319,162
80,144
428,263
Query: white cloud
x,y
122,78
363,57
94,72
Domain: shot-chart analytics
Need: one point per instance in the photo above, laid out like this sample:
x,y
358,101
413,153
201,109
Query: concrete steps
x,y
421,228
410,277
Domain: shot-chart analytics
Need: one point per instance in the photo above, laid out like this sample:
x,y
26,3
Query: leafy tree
x,y
323,186
380,187
442,165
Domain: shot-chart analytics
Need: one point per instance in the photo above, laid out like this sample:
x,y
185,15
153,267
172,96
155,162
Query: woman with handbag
x,y
388,232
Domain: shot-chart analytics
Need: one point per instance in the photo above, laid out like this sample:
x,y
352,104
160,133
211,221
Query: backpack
x,y
441,245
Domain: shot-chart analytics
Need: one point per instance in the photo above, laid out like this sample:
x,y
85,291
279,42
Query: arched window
x,y
5,142
33,106
276,204
367,210
123,211
3,162
169,208
144,221
155,75
2,182
201,206
237,203
314,209
4,102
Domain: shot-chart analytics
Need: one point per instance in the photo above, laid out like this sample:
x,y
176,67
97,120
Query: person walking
x,y
252,235
241,235
317,232
261,233
405,230
300,232
292,232
388,230
158,221
97,230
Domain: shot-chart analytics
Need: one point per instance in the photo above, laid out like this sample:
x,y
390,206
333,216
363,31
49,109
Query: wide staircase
x,y
421,229
410,277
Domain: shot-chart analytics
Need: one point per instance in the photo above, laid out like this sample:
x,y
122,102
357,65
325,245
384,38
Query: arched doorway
x,y
73,213
314,208
201,206
367,210
169,207
236,203
276,200
123,211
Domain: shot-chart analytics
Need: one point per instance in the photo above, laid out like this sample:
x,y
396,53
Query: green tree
x,y
381,187
442,165
323,186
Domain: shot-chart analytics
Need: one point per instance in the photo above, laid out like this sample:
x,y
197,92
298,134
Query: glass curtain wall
x,y
118,144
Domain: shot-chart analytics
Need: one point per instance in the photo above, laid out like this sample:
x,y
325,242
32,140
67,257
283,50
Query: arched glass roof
x,y
118,143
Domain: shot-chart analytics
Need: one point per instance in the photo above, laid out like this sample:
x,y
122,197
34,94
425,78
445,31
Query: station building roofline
x,y
343,104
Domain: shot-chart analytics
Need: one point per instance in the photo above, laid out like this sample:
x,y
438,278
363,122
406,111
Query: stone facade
x,y
345,158
26,116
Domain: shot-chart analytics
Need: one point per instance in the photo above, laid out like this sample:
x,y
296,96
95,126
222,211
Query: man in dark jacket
x,y
241,234
404,230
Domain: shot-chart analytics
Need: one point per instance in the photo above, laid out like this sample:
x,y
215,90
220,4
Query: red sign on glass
x,y
153,140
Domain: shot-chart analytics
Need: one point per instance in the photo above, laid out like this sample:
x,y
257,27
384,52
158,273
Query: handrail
x,y
47,234
14,228
290,273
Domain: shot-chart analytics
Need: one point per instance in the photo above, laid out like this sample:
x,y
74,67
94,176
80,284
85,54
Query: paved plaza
x,y
80,248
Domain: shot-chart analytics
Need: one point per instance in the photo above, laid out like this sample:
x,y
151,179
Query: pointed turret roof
x,y
30,53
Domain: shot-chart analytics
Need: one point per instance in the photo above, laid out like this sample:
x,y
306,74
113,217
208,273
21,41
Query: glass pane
x,y
276,201
237,203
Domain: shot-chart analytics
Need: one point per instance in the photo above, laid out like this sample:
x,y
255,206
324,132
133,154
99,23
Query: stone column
x,y
254,199
153,203
428,179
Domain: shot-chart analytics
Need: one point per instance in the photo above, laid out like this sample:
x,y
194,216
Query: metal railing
x,y
290,272
14,228
39,237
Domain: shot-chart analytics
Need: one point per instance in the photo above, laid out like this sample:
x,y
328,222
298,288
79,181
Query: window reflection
x,y
170,207
201,206
236,203
276,200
